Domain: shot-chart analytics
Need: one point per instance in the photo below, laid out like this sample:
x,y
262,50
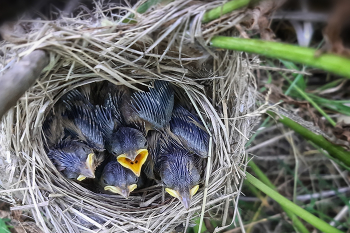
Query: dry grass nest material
x,y
168,42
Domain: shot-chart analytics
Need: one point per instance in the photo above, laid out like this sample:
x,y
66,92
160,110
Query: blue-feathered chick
x,y
127,144
53,128
179,170
147,111
68,140
74,159
125,124
119,180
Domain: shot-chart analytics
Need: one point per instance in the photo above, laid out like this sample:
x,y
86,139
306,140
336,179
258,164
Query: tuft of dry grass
x,y
168,43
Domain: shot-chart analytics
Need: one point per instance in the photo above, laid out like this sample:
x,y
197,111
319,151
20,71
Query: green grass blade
x,y
334,105
294,83
328,62
328,101
145,6
295,209
224,9
328,156
330,84
4,228
260,174
335,151
301,91
296,222
196,227
315,105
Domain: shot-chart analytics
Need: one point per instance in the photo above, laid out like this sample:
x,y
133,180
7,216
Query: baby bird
x,y
179,170
125,125
74,159
181,174
117,179
177,155
127,144
67,147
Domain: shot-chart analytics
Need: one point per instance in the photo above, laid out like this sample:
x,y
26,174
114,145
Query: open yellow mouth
x,y
136,164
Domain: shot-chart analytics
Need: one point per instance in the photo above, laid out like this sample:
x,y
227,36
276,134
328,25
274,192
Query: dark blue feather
x,y
69,156
156,105
113,102
105,120
190,131
74,98
177,167
125,140
84,126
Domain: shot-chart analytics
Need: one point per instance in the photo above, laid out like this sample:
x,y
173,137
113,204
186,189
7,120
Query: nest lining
x,y
167,43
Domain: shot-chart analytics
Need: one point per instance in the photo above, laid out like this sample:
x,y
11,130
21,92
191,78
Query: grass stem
x,y
296,222
224,9
293,208
328,62
335,151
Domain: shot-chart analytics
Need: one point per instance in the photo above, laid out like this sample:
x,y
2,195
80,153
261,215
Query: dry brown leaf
x,y
338,24
342,131
258,17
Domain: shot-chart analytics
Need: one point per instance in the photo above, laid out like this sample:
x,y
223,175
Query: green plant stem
x,y
335,151
293,208
296,222
315,105
145,6
328,62
328,156
224,9
293,84
260,174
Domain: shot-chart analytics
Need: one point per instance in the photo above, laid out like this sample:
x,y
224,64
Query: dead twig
x,y
20,78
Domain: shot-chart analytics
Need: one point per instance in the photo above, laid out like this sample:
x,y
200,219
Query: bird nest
x,y
168,42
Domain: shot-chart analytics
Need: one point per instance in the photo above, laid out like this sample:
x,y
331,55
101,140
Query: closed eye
x,y
86,150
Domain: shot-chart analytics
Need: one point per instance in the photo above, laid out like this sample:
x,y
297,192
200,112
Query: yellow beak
x,y
123,192
89,164
81,177
136,164
90,172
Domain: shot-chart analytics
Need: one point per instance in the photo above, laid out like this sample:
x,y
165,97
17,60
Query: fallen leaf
x,y
342,131
257,17
338,25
